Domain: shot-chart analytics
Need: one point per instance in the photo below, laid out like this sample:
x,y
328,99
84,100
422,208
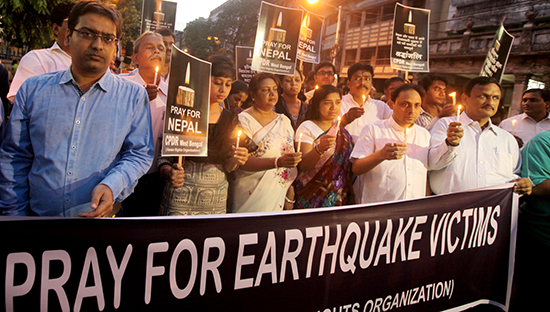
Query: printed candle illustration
x,y
186,95
249,58
410,28
306,32
277,33
158,15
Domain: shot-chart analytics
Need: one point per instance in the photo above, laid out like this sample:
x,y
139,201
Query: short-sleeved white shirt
x,y
526,127
391,180
310,131
374,110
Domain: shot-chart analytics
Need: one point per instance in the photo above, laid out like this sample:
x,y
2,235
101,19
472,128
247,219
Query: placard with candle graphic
x,y
243,63
186,117
409,49
157,14
497,57
309,48
277,39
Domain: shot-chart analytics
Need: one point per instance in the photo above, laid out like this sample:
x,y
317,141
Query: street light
x,y
335,47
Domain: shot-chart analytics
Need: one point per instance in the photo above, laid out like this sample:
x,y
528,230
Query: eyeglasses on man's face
x,y
89,35
325,73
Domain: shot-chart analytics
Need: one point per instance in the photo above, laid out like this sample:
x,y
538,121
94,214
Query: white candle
x,y
338,126
453,95
239,138
299,143
364,99
458,113
406,134
156,74
514,127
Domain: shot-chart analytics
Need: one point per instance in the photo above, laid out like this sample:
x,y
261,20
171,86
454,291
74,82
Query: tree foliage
x,y
236,24
195,38
26,23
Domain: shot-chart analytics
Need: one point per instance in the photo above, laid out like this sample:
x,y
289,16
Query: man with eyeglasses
x,y
358,107
78,139
324,75
149,53
55,58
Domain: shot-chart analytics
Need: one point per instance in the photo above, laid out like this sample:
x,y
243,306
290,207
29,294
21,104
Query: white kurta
x,y
399,179
158,107
483,157
374,110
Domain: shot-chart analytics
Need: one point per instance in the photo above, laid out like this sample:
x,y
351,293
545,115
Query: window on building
x,y
355,20
367,55
351,56
383,56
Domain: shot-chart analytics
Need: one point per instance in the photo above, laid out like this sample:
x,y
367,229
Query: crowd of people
x,y
81,137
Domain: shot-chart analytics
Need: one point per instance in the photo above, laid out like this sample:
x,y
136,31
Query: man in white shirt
x,y
535,118
486,155
43,61
149,53
433,105
358,108
324,75
390,158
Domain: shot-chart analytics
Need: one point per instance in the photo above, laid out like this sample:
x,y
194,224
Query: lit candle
x,y
453,95
364,99
316,87
458,112
299,143
514,127
156,74
338,125
239,138
406,134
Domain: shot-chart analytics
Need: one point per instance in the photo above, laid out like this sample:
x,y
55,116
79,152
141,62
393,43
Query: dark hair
x,y
324,64
88,6
282,77
427,80
406,87
319,95
544,93
253,86
391,80
222,66
360,66
165,32
61,12
483,81
238,86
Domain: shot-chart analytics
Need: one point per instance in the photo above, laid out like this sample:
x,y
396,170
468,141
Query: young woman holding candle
x,y
289,104
262,182
200,186
325,171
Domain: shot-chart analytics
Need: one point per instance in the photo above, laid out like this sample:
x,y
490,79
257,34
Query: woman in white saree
x,y
262,182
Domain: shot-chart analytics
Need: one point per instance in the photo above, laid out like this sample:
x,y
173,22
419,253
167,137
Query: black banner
x,y
157,14
443,252
411,29
498,54
243,63
309,48
187,106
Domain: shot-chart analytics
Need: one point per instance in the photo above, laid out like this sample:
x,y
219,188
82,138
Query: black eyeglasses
x,y
91,36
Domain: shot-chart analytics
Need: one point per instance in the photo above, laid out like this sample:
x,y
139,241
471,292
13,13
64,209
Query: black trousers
x,y
145,201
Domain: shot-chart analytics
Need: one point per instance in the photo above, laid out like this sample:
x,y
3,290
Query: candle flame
x,y
239,133
407,131
156,69
338,119
301,135
459,107
410,17
452,94
364,98
513,122
316,87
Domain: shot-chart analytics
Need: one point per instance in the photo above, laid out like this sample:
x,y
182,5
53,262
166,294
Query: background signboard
x,y
243,63
410,44
498,54
309,48
158,14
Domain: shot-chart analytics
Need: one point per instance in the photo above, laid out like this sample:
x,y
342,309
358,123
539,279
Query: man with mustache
x,y
433,104
535,118
149,54
77,139
358,108
473,153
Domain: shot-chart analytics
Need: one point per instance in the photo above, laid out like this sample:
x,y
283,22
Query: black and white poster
x,y
446,252
410,44
309,49
277,39
498,54
158,14
243,63
187,107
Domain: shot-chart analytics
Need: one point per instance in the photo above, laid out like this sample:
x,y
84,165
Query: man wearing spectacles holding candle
x,y
434,104
473,153
358,108
324,75
535,118
149,55
78,139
